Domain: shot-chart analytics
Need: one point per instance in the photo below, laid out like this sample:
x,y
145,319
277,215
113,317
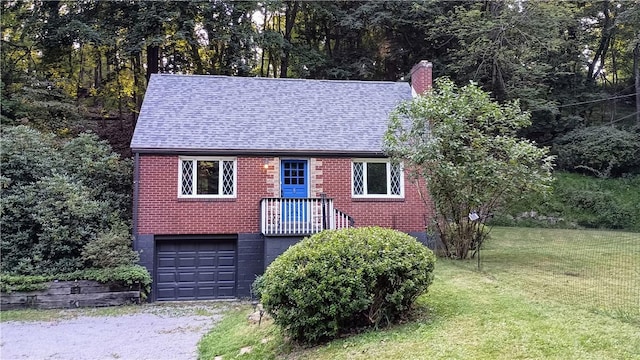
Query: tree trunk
x,y
80,81
116,62
195,54
263,50
97,71
598,58
290,20
137,87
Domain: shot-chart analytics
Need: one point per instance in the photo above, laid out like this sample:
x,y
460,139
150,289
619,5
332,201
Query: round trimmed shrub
x,y
340,280
599,150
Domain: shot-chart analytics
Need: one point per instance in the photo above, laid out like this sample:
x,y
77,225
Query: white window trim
x,y
386,161
194,177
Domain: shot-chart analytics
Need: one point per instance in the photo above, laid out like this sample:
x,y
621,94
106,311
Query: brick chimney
x,y
421,78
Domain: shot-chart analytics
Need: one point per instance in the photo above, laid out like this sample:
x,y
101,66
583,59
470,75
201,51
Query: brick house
x,y
230,171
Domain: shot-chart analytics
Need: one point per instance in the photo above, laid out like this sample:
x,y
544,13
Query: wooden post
x,y
323,196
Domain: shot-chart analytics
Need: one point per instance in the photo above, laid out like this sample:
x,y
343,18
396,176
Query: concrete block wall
x,y
250,262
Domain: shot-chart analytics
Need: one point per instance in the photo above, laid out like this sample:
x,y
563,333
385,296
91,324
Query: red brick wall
x,y
162,212
406,215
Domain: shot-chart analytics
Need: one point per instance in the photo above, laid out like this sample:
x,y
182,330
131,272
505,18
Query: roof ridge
x,y
260,78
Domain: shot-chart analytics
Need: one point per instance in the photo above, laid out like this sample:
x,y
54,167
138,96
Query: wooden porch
x,y
300,216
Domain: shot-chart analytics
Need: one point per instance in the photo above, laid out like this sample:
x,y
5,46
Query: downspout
x,y
136,194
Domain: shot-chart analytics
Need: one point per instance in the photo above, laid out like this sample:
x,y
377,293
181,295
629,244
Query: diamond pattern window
x,y
376,178
207,177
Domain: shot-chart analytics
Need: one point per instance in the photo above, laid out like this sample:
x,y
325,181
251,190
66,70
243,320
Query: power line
x,y
599,100
624,117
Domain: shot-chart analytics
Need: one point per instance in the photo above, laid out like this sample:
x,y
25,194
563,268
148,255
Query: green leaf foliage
x,y
465,147
599,150
11,283
110,249
47,223
127,275
336,281
56,197
579,201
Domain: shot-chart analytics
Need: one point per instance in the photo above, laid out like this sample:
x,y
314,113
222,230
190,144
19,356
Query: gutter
x,y
247,152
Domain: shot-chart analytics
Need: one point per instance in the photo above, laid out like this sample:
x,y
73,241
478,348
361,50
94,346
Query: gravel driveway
x,y
151,331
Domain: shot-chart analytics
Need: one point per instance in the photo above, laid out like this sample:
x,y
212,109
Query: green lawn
x,y
541,294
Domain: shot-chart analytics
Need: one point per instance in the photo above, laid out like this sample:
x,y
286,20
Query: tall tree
x,y
465,147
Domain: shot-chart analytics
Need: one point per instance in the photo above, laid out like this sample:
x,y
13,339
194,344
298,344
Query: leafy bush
x,y
579,201
127,275
601,206
599,150
46,224
547,122
110,249
335,281
10,283
56,196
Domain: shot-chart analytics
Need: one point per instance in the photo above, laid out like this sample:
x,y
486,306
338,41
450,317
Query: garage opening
x,y
195,267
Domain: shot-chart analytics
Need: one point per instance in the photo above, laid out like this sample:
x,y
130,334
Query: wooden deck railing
x,y
303,216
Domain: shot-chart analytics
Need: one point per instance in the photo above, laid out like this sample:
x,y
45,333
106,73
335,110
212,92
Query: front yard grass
x,y
541,294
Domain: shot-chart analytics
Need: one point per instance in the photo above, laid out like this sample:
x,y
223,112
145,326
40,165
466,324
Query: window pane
x,y
227,180
377,178
358,179
396,175
208,178
187,177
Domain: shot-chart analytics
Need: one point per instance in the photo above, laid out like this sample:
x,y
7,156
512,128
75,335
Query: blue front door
x,y
295,181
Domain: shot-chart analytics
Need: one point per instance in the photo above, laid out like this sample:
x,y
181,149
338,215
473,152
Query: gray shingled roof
x,y
200,113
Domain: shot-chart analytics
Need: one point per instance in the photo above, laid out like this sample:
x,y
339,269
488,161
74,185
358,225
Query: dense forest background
x,y
68,66
72,66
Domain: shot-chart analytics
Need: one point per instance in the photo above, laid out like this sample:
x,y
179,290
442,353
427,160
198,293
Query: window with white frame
x,y
207,177
376,178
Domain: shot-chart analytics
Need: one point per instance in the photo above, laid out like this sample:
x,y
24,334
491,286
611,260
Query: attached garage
x,y
195,267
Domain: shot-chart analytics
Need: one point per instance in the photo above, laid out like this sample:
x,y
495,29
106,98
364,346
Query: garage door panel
x,y
227,261
167,261
204,276
187,293
226,279
186,261
196,269
206,291
187,277
226,292
207,260
166,277
167,293
229,275
231,266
